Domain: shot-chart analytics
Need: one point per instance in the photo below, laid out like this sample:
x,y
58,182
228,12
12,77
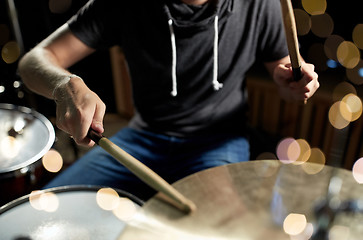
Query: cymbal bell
x,y
249,200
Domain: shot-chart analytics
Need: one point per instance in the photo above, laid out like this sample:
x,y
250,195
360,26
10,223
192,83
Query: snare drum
x,y
25,136
70,212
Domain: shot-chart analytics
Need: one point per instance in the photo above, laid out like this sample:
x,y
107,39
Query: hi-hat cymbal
x,y
252,200
25,136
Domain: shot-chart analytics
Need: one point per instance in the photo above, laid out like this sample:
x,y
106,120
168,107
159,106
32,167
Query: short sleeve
x,y
94,22
272,39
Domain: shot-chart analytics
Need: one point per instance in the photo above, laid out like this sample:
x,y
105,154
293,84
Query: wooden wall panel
x,y
122,83
309,122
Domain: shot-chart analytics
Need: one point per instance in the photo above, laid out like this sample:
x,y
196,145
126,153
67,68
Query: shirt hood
x,y
197,17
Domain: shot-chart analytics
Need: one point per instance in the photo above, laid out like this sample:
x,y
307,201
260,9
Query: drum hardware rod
x,y
291,39
171,195
13,15
331,205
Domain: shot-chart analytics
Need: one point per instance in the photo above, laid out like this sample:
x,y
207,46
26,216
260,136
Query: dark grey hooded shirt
x,y
248,30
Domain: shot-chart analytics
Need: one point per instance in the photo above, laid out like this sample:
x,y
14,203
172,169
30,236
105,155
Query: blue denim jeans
x,y
171,157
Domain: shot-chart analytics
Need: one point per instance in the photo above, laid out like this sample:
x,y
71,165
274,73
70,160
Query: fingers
x,y
80,129
92,117
75,122
283,74
307,85
78,113
97,123
296,90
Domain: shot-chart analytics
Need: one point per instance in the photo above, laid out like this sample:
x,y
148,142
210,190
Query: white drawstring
x,y
173,63
216,85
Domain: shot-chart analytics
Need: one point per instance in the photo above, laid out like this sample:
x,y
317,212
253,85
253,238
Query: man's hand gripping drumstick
x,y
310,79
143,172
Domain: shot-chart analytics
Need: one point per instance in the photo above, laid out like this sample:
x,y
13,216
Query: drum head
x,y
72,212
25,136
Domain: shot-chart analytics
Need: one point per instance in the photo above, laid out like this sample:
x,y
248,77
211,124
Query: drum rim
x,y
48,145
70,188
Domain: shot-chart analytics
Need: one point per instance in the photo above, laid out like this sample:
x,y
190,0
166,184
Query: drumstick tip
x,y
190,207
181,203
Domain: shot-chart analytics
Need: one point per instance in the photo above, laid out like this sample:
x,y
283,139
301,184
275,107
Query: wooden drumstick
x,y
291,38
143,172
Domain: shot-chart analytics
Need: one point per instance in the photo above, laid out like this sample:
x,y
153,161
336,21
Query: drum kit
x,y
255,200
25,136
264,199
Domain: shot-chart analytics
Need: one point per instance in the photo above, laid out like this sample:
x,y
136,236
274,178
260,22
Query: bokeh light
x,y
303,22
294,224
52,161
59,6
331,63
288,150
305,152
10,147
10,52
125,210
322,25
339,116
345,111
306,234
342,89
331,45
317,57
354,106
2,88
34,199
107,198
338,232
357,35
317,160
44,201
355,75
4,34
348,54
16,84
49,202
357,171
21,94
314,7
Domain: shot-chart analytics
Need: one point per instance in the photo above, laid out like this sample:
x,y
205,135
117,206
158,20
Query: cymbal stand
x,y
327,209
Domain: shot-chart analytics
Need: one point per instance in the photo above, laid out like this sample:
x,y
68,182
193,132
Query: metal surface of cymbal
x,y
25,136
250,200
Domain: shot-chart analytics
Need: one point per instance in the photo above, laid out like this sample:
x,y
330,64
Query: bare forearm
x,y
44,68
44,71
40,72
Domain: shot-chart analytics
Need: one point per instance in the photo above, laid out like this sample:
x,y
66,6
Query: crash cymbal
x,y
251,200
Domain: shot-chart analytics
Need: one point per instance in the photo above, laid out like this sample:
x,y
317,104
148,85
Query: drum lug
x,y
29,173
24,170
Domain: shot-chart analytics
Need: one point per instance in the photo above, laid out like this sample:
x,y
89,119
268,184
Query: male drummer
x,y
187,61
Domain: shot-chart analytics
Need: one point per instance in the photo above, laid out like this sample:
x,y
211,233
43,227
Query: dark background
x,y
37,22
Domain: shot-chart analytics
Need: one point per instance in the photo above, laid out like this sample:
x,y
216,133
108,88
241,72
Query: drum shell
x,y
17,183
